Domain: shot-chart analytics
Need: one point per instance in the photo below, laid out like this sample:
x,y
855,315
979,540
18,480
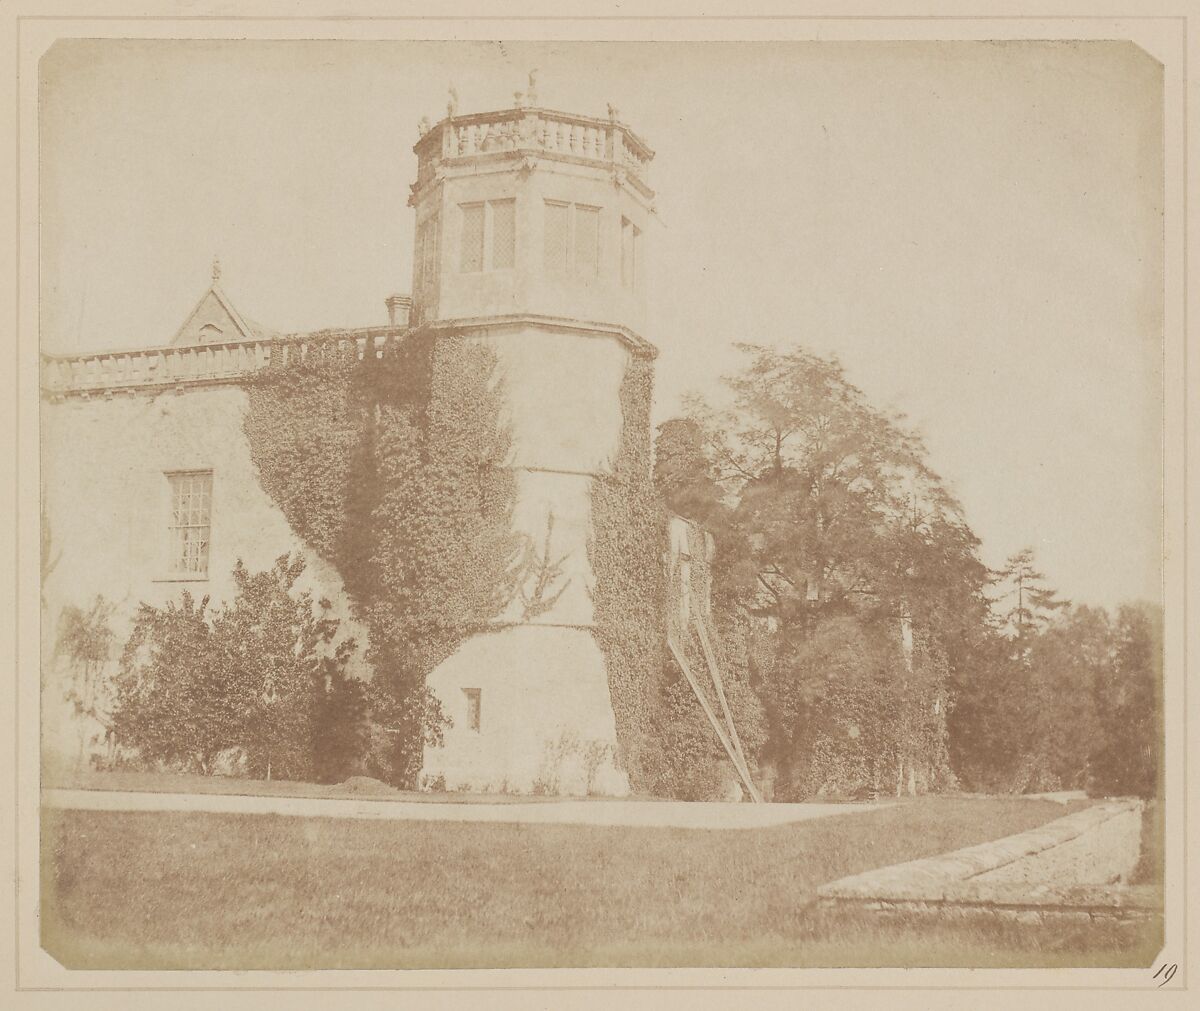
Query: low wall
x,y
1073,869
1097,846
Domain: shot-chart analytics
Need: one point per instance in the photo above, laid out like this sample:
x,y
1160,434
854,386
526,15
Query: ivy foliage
x,y
626,551
853,713
665,742
391,468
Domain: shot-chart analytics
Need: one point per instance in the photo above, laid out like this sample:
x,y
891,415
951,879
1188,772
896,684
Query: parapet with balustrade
x,y
104,373
588,140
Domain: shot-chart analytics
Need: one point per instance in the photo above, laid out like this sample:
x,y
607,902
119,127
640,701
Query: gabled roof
x,y
215,320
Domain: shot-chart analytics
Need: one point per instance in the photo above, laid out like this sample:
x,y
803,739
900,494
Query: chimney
x,y
398,307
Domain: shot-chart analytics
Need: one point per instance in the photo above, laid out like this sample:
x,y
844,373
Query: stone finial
x,y
613,112
519,99
216,270
531,92
423,126
452,105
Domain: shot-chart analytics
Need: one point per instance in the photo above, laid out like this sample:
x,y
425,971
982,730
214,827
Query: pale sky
x,y
974,228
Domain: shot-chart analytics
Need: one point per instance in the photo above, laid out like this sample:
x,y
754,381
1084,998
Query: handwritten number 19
x,y
1166,971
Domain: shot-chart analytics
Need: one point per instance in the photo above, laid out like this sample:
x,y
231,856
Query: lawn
x,y
170,890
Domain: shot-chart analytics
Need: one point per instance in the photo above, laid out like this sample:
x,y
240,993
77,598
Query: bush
x,y
263,679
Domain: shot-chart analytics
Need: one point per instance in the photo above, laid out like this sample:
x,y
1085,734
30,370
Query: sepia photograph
x,y
600,504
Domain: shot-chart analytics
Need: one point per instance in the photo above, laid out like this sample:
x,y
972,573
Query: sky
x,y
973,228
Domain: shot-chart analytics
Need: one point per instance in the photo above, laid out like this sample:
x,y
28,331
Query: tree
x,y
682,473
278,654
1069,659
85,641
990,717
1078,707
1128,752
1032,603
174,703
837,534
264,677
822,485
1022,698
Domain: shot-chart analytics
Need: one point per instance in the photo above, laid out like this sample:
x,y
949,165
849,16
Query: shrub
x,y
263,677
85,640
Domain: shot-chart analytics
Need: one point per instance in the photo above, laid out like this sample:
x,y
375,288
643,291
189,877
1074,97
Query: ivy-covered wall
x,y
389,468
666,743
395,470
627,550
401,480
448,480
699,766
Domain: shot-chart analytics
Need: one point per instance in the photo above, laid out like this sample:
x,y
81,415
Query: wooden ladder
x,y
729,741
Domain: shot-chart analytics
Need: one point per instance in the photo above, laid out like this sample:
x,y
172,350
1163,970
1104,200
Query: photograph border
x,y
31,35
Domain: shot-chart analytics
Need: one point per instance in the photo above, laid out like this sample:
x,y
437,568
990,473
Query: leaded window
x,y
191,522
427,251
472,238
504,233
587,241
558,238
489,236
572,246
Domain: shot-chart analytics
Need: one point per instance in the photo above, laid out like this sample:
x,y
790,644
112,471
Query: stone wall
x,y
105,462
1100,846
545,713
545,717
1074,869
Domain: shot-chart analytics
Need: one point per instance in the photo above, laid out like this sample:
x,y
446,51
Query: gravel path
x,y
653,814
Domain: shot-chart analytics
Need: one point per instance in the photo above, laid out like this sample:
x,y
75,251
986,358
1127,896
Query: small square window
x,y
474,698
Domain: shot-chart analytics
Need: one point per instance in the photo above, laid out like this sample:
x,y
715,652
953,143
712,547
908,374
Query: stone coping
x,y
948,877
1022,895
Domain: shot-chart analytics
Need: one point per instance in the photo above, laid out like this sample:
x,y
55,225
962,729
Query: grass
x,y
171,890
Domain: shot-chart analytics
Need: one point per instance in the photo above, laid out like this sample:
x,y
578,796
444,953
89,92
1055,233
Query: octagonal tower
x,y
530,237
